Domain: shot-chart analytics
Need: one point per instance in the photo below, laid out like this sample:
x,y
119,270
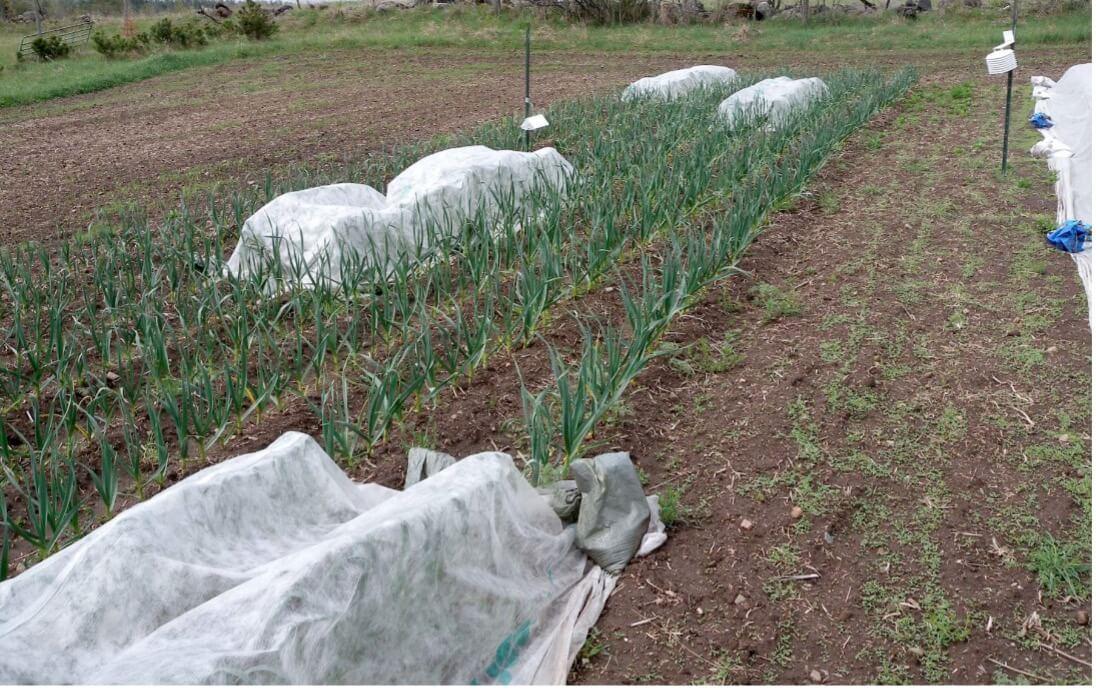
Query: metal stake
x,y
1008,95
528,101
1008,116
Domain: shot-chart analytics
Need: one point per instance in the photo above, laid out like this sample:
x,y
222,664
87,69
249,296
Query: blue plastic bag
x,y
1070,236
1041,121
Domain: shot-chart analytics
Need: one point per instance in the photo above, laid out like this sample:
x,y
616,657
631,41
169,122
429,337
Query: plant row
x,y
129,353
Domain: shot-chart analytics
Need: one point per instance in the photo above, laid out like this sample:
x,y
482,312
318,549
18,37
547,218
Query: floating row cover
x,y
1067,146
274,567
314,228
776,98
679,82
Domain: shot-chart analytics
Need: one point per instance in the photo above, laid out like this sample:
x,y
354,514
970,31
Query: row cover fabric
x,y
679,82
1067,147
311,230
274,567
776,98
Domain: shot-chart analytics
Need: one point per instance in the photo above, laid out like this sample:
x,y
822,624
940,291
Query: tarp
x,y
671,85
274,567
310,233
1067,146
775,98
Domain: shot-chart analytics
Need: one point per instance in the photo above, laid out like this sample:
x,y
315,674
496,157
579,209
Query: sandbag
x,y
776,99
314,234
274,567
423,463
613,513
563,497
671,85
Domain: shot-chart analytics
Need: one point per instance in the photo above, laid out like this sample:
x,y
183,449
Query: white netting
x,y
311,232
274,567
775,98
1067,146
671,85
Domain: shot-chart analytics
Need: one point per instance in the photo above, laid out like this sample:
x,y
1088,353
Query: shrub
x,y
51,48
253,22
188,34
117,45
609,11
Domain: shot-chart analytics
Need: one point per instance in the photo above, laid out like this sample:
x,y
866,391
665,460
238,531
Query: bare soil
x,y
155,140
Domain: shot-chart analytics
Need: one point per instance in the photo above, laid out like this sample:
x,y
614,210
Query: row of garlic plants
x,y
131,351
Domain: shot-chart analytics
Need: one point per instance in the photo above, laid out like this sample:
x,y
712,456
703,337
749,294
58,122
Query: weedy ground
x,y
906,427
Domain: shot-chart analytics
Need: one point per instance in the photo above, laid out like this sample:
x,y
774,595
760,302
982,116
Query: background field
x,y
903,359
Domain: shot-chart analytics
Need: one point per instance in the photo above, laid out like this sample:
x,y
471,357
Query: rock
x,y
797,512
740,600
816,677
1081,616
746,525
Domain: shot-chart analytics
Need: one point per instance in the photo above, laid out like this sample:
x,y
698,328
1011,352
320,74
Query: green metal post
x,y
1008,116
528,101
1008,95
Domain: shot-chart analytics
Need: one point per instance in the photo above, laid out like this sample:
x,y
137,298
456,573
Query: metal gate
x,y
74,35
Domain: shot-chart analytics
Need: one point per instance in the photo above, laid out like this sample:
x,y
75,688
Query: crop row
x,y
131,351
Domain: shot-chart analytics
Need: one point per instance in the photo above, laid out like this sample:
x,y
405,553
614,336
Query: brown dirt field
x,y
922,398
154,140
69,161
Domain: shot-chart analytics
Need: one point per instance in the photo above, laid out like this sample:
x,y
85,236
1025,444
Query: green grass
x,y
1062,569
354,29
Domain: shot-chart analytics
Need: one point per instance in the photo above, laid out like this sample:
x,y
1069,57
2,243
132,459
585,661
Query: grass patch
x,y
306,31
1060,568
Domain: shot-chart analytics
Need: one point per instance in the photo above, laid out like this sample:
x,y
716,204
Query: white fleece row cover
x,y
776,98
274,567
671,85
1067,146
312,229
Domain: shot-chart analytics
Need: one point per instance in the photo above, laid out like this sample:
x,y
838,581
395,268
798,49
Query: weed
x,y
669,505
1060,568
775,301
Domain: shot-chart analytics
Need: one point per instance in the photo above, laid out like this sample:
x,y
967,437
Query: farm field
x,y
866,409
360,86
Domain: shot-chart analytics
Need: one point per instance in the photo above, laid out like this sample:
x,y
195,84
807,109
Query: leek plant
x,y
141,328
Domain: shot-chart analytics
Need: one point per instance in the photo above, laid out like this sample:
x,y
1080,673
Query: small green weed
x,y
776,301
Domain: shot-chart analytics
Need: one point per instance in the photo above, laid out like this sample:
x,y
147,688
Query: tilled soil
x,y
882,437
158,139
70,161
